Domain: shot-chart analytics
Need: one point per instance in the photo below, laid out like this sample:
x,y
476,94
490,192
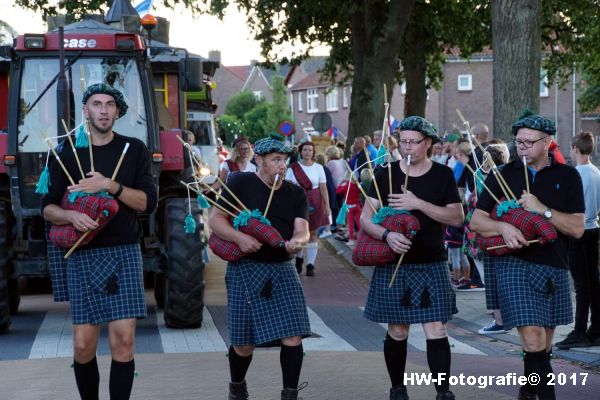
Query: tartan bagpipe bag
x,y
252,223
369,251
533,226
224,249
101,207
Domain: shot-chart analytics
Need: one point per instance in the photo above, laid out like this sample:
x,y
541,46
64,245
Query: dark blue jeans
x,y
583,262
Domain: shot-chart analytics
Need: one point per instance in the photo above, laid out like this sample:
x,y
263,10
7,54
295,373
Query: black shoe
x,y
310,270
398,393
238,391
574,340
445,396
524,395
299,262
292,394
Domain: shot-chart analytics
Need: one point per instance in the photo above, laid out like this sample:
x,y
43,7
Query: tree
x,y
230,126
256,122
279,110
436,28
240,103
516,39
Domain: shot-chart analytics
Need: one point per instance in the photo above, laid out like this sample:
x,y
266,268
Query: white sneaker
x,y
325,234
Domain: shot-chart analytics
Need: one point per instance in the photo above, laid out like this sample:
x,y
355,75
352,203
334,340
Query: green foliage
x,y
279,110
256,122
240,103
229,126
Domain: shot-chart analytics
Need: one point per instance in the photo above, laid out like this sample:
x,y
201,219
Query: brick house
x,y
230,81
467,86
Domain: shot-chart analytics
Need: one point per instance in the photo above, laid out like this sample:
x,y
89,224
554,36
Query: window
x,y
331,99
345,96
544,83
465,83
312,101
299,101
258,95
403,88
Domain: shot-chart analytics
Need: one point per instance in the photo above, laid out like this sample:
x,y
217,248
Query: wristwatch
x,y
548,213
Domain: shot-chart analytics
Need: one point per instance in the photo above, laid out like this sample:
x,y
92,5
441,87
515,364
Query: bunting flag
x,y
394,123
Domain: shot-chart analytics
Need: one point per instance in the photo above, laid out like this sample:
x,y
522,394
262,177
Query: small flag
x,y
143,7
332,132
394,123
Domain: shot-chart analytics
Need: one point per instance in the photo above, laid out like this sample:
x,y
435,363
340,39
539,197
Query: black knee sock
x,y
87,378
121,379
394,352
238,365
527,387
291,358
439,359
538,362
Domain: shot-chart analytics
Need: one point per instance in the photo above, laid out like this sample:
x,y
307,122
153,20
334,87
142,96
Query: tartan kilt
x,y
100,208
228,251
421,293
265,303
262,232
533,294
491,282
89,277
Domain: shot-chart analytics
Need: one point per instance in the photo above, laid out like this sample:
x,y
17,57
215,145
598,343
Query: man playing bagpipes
x,y
421,291
532,281
102,279
265,300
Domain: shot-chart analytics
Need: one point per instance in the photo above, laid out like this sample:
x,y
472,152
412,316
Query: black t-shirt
x,y
437,186
557,186
289,202
134,173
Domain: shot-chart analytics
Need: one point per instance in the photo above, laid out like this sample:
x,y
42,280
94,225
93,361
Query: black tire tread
x,y
184,300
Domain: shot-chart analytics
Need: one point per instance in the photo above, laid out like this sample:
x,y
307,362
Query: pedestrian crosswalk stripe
x,y
54,337
204,339
328,340
417,339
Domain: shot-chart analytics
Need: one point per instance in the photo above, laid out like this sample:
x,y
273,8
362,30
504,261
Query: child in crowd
x,y
354,208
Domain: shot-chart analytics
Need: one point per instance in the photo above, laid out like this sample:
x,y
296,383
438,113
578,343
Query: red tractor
x,y
155,80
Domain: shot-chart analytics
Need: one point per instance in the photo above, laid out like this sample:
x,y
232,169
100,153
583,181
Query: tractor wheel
x,y
184,292
4,292
159,289
14,296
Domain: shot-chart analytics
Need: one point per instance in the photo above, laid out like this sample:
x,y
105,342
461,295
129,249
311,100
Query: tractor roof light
x,y
149,22
35,41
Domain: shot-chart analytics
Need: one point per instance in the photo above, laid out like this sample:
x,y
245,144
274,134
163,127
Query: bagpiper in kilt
x,y
265,300
102,279
421,291
532,280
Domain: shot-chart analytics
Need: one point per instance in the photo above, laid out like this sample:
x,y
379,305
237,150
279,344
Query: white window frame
x,y
544,90
258,95
300,102
312,100
331,99
345,96
469,86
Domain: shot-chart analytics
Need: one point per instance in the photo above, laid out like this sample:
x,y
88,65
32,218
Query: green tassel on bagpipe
x,y
75,195
242,218
381,156
506,206
44,182
384,212
190,224
342,215
81,139
202,202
